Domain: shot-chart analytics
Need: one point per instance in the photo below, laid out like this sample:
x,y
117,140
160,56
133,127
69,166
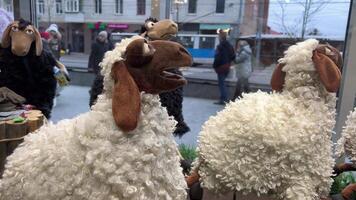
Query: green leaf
x,y
187,152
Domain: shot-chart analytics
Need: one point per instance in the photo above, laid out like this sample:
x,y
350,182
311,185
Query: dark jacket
x,y
30,76
97,53
224,54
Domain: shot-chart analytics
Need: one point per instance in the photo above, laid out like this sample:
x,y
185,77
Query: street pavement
x,y
74,100
259,77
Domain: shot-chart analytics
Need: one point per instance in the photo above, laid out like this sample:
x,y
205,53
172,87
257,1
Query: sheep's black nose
x,y
174,26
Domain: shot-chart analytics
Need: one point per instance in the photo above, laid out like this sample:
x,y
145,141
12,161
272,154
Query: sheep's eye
x,y
14,29
150,25
30,32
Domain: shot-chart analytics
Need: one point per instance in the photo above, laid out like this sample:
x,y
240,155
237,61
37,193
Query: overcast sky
x,y
330,21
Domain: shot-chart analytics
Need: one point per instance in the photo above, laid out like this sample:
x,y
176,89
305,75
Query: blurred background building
x,y
79,21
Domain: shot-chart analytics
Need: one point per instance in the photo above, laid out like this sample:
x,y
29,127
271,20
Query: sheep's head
x,y
327,62
20,35
144,69
160,30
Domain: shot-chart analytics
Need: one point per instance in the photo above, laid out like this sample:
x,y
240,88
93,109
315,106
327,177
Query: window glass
x,y
268,28
192,6
220,6
98,6
119,6
141,7
59,7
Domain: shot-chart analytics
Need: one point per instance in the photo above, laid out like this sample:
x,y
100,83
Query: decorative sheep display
x,y
25,68
346,145
122,149
172,100
278,143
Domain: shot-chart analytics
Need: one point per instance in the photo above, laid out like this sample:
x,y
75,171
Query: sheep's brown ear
x,y
38,42
6,39
278,78
126,104
328,71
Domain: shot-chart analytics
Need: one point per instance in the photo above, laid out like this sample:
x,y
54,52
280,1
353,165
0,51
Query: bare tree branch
x,y
310,9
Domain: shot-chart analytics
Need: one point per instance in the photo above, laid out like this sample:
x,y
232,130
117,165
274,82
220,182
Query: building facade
x,y
81,20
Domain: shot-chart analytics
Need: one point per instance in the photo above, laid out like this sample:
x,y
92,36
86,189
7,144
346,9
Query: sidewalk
x,y
260,78
74,100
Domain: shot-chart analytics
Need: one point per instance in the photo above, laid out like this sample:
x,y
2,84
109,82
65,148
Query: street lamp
x,y
178,3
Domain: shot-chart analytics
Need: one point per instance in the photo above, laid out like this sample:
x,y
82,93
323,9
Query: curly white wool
x,y
89,158
278,143
347,143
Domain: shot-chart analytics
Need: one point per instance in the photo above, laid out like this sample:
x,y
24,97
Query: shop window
x,y
141,7
98,6
192,6
119,6
59,9
41,7
220,6
72,6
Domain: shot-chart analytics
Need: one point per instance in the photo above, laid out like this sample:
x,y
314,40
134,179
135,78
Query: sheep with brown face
x,y
277,143
172,100
122,149
25,68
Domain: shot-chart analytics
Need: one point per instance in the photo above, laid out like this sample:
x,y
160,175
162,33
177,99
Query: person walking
x,y
243,68
98,49
54,41
224,55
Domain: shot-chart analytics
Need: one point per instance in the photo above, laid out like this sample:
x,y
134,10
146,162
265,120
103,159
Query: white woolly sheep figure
x,y
89,157
347,143
278,143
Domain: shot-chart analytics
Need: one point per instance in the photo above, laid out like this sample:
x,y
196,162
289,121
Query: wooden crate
x,y
12,134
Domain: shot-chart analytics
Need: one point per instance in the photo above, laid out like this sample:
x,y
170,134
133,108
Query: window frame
x,y
40,7
71,6
189,7
119,7
219,6
59,7
98,6
141,7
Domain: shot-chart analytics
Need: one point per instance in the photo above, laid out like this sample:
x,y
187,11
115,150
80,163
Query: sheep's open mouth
x,y
167,35
171,76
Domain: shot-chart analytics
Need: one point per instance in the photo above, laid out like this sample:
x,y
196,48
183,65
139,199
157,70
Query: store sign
x,y
117,26
97,25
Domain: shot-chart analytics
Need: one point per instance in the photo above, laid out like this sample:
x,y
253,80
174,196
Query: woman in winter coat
x,y
243,68
98,50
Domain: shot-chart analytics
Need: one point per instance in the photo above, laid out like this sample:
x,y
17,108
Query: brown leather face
x,y
332,53
160,56
20,35
161,30
144,70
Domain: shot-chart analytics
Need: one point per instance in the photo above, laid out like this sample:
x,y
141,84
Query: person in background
x,y
224,55
54,41
98,49
243,68
59,67
45,38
